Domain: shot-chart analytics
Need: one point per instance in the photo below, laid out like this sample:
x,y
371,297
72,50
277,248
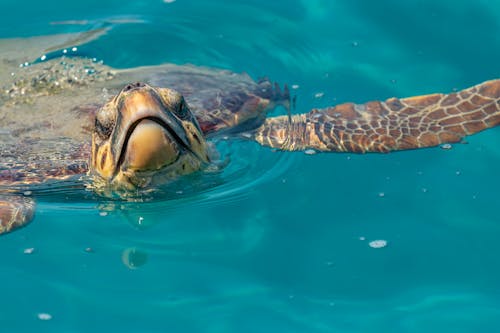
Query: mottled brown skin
x,y
395,124
47,118
15,212
144,136
147,135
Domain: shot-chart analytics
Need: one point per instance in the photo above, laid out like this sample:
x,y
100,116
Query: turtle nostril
x,y
128,87
132,86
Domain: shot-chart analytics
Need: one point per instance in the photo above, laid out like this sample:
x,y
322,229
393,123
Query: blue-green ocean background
x,y
279,241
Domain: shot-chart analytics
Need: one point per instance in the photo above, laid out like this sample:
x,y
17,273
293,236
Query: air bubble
x,y
29,250
378,244
44,316
309,151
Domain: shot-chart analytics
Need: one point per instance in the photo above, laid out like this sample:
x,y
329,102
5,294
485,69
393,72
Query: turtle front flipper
x,y
15,212
395,124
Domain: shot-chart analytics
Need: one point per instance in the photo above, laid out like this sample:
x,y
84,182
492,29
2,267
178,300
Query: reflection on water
x,y
134,258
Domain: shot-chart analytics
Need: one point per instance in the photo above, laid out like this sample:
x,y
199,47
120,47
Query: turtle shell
x,y
47,107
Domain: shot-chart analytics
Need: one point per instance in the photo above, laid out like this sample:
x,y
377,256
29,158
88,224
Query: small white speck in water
x,y
74,49
103,213
89,250
362,238
309,151
65,51
378,244
29,250
319,94
168,1
295,86
27,193
44,316
42,58
141,219
446,146
457,173
26,64
381,194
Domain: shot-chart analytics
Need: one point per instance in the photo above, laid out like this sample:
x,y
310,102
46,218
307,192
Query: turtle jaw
x,y
148,142
148,146
152,153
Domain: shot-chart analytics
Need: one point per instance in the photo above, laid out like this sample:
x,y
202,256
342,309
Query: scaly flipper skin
x,y
15,212
395,124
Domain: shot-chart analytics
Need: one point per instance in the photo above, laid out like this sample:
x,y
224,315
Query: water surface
x,y
277,242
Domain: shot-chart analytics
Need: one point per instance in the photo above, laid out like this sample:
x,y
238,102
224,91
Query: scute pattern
x,y
394,124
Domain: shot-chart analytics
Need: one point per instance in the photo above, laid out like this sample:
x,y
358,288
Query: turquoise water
x,y
278,242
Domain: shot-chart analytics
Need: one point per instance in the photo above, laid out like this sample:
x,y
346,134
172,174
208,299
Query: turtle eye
x,y
102,130
182,110
104,122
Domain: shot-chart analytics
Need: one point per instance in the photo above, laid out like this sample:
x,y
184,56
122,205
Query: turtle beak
x,y
148,146
147,136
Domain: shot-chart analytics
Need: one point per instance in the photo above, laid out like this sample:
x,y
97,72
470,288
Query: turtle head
x,y
145,135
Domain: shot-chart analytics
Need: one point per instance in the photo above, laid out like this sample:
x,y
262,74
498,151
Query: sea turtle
x,y
137,128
